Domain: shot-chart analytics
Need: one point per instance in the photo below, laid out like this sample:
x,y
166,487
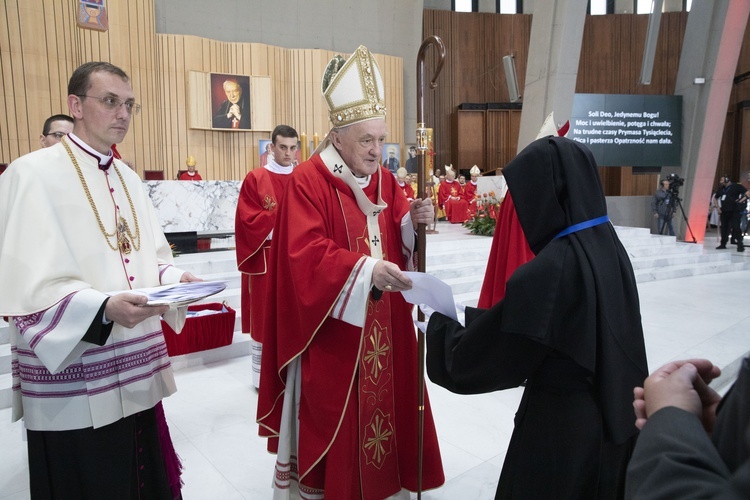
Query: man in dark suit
x,y
693,443
234,112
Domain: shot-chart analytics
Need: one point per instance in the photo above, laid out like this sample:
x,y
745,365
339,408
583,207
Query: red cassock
x,y
509,251
470,193
261,194
358,397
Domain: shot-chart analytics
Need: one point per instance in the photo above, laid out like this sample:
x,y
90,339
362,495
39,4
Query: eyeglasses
x,y
58,135
113,103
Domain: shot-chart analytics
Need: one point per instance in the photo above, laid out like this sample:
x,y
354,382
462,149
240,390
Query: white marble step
x,y
224,261
670,272
4,358
5,390
678,259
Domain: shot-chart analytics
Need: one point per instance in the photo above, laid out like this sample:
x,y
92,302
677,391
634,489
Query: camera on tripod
x,y
675,181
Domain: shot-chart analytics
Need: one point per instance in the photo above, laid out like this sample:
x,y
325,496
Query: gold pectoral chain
x,y
126,241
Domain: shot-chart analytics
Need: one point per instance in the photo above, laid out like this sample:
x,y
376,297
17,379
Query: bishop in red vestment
x,y
450,194
470,190
261,194
404,184
338,393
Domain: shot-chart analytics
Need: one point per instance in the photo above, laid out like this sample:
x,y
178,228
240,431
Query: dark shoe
x,y
721,247
740,248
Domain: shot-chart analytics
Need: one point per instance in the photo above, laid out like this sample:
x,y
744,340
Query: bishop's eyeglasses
x,y
113,103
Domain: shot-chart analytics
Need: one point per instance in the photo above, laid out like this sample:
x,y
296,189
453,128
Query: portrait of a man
x,y
230,101
412,160
391,157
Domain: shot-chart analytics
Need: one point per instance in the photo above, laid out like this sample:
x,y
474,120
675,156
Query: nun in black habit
x,y
569,325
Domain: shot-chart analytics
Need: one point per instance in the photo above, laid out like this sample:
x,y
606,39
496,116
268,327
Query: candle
x,y
316,141
303,140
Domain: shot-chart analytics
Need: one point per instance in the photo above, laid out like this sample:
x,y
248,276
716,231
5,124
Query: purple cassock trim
x,y
24,323
91,372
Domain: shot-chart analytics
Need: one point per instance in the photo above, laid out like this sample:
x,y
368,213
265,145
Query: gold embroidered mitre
x,y
353,89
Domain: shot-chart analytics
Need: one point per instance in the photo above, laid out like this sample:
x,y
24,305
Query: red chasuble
x,y
358,396
456,207
260,195
444,191
509,251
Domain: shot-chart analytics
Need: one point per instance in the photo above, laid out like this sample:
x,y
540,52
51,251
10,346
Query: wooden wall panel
x,y
470,139
502,134
40,47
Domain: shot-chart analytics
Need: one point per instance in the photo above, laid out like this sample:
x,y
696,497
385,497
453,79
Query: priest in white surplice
x,y
89,369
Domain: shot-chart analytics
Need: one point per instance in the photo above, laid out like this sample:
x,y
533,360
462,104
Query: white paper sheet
x,y
179,294
427,289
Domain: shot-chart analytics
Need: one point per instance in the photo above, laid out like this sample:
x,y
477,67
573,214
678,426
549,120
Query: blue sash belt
x,y
583,225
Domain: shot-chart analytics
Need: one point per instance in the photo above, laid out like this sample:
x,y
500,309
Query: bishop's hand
x,y
387,276
421,211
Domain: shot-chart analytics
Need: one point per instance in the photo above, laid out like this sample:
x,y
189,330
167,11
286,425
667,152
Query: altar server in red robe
x,y
260,196
338,392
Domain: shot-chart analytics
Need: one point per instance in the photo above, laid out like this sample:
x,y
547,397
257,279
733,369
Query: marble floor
x,y
212,415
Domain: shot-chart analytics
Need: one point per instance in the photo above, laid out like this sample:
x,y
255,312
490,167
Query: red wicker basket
x,y
201,332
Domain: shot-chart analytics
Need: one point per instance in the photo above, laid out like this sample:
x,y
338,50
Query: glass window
x,y
508,7
462,5
598,7
644,7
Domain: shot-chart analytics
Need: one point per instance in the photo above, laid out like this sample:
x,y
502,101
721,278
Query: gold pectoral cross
x,y
123,243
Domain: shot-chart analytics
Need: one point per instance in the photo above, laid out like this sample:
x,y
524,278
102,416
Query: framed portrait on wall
x,y
391,156
412,162
230,102
264,146
266,153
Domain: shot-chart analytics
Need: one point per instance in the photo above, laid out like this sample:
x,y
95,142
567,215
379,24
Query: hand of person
x,y
682,384
387,276
656,216
234,110
188,277
421,212
129,309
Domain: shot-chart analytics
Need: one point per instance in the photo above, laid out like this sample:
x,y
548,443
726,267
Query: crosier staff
x,y
421,238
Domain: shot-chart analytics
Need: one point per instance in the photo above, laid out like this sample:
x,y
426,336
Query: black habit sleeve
x,y
479,358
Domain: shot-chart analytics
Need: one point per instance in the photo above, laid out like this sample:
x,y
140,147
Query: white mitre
x,y
353,90
550,128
